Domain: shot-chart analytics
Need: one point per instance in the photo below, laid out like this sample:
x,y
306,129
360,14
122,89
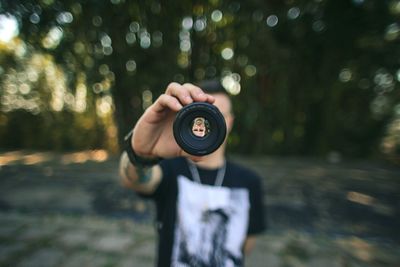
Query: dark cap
x,y
211,86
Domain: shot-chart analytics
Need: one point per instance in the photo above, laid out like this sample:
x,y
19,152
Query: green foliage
x,y
315,76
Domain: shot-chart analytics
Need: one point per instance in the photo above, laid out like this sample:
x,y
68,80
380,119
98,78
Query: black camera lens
x,y
199,128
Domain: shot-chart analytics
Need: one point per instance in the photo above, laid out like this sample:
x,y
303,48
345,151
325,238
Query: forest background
x,y
315,78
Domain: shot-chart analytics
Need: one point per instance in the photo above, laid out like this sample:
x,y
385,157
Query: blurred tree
x,y
311,77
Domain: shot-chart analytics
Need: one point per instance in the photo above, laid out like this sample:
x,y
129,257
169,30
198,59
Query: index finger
x,y
198,94
180,92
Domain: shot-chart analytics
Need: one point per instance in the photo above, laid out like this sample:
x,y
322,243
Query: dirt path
x,y
69,209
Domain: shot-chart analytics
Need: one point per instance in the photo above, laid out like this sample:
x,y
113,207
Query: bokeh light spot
x,y
97,21
187,23
131,65
200,25
34,18
106,40
231,83
130,38
293,13
8,27
53,38
216,15
227,53
64,18
147,99
345,75
272,21
250,70
318,26
392,32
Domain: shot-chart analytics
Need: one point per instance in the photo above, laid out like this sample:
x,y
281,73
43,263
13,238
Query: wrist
x,y
134,174
136,159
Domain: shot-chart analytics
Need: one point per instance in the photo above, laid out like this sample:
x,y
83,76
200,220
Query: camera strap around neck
x,y
196,176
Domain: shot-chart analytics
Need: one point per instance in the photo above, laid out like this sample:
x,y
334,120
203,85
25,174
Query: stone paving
x,y
59,240
68,210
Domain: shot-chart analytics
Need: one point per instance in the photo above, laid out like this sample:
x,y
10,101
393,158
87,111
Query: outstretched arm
x,y
153,136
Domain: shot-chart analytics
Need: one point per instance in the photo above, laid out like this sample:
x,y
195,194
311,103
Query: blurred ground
x,y
68,210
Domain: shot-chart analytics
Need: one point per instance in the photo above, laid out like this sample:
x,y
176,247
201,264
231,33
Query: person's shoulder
x,y
241,170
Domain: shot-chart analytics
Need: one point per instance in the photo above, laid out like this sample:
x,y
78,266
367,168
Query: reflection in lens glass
x,y
200,127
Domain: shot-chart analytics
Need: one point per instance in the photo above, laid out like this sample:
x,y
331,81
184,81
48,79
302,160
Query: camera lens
x,y
199,128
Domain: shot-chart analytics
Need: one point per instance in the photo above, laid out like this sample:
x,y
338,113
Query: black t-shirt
x,y
203,224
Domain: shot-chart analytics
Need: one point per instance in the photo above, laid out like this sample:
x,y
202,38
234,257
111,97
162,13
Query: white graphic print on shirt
x,y
211,225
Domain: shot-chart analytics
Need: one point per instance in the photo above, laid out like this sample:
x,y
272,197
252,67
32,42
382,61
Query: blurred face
x,y
223,103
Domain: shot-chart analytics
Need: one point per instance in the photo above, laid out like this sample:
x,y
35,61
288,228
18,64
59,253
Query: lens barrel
x,y
199,128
